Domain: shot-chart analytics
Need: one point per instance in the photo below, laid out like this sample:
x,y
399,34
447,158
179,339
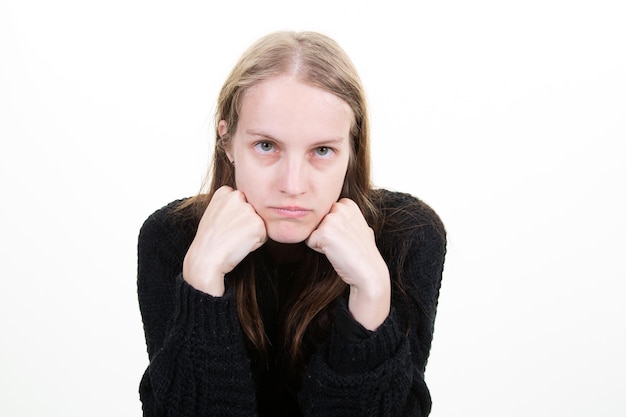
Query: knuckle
x,y
224,189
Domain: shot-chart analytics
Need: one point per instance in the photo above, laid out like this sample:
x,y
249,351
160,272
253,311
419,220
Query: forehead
x,y
284,106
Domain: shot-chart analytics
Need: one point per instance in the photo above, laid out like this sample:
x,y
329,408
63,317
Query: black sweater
x,y
199,365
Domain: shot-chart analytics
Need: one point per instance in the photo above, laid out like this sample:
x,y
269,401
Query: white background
x,y
508,118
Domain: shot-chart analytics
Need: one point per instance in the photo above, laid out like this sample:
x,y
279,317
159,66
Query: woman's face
x,y
291,151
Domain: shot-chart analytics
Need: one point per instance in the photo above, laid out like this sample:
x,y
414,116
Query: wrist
x,y
370,305
204,278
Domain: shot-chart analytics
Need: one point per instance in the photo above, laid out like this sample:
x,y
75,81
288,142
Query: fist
x,y
228,231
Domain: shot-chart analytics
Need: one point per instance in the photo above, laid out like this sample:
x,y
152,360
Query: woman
x,y
291,286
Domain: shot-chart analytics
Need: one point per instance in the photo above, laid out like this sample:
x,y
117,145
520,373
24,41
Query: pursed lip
x,y
291,211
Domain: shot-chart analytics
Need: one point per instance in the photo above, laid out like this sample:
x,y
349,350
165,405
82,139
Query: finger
x,y
348,203
313,242
240,195
223,190
261,241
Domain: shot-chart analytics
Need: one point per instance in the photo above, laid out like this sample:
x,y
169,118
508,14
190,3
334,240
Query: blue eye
x,y
324,151
264,146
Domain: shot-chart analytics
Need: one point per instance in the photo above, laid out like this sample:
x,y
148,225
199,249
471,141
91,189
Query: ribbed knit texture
x,y
198,361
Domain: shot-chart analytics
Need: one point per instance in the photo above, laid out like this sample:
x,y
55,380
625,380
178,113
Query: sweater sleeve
x,y
198,363
383,374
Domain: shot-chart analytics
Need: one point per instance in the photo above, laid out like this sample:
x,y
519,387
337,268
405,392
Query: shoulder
x,y
169,215
404,214
410,231
175,224
412,240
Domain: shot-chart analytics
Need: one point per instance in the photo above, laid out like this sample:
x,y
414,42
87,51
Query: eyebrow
x,y
327,141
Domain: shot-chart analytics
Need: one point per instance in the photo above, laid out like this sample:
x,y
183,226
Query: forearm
x,y
373,377
202,365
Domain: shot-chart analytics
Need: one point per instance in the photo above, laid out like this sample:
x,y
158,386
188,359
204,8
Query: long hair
x,y
319,61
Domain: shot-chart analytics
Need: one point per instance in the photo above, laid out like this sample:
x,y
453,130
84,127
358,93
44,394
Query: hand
x,y
349,244
229,230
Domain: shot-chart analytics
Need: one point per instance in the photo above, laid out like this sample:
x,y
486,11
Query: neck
x,y
285,252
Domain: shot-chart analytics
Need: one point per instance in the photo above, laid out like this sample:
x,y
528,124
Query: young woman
x,y
291,286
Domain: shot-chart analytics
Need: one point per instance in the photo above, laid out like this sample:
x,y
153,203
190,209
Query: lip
x,y
292,212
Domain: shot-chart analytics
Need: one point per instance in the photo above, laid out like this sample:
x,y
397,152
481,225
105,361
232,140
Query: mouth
x,y
292,212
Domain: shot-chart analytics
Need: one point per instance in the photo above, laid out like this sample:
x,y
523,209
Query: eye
x,y
324,151
264,147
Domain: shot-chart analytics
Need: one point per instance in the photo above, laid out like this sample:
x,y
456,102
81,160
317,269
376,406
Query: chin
x,y
287,241
281,238
288,234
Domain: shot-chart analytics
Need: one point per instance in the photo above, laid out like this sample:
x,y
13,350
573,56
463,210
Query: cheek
x,y
250,183
334,185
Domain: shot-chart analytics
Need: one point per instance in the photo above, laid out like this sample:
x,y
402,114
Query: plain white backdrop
x,y
508,118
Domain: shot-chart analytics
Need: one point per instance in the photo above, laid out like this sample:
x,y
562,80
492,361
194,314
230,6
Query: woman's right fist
x,y
229,230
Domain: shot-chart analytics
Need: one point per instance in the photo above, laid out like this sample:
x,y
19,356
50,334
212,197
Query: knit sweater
x,y
198,361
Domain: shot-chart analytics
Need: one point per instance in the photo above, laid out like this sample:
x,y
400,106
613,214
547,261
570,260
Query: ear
x,y
222,129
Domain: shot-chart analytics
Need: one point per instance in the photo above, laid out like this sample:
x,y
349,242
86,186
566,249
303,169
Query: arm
x,y
198,364
383,374
349,244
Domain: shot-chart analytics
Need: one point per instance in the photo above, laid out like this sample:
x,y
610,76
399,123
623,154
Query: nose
x,y
293,176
